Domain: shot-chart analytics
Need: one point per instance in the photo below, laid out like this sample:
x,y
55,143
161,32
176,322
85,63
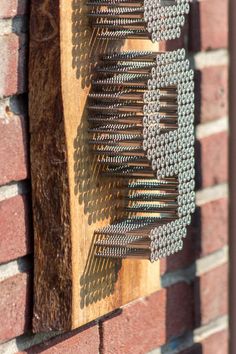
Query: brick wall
x,y
189,314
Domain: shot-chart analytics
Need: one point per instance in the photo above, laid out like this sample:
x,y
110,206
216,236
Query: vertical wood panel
x,y
71,199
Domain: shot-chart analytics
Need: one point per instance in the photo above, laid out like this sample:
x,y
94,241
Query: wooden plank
x,y
70,198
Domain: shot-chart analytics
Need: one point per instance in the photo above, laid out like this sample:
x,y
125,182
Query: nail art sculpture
x,y
141,117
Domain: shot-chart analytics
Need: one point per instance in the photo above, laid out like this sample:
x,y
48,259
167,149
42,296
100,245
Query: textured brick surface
x,y
14,226
12,8
215,344
211,93
213,226
208,25
13,149
84,341
15,306
211,161
211,295
149,323
12,65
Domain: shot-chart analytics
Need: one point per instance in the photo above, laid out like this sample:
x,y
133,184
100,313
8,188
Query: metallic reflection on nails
x,y
141,116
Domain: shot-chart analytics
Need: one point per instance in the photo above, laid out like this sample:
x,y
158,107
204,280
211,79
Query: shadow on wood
x,y
98,194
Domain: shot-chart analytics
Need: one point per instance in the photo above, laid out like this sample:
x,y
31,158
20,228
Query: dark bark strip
x,y
50,186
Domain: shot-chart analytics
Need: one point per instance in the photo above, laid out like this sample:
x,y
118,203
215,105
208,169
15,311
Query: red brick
x,y
13,149
213,221
11,8
211,93
84,341
15,306
151,322
211,295
211,161
215,344
14,226
208,25
12,64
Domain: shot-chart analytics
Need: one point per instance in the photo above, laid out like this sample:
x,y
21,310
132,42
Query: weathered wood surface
x,y
70,198
50,184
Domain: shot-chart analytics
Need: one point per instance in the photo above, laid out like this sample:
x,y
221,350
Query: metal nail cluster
x,y
153,19
141,118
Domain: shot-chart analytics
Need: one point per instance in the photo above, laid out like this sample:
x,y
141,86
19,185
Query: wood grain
x,y
50,184
70,198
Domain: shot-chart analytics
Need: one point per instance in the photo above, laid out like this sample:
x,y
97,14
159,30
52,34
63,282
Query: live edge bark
x,y
50,189
70,283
